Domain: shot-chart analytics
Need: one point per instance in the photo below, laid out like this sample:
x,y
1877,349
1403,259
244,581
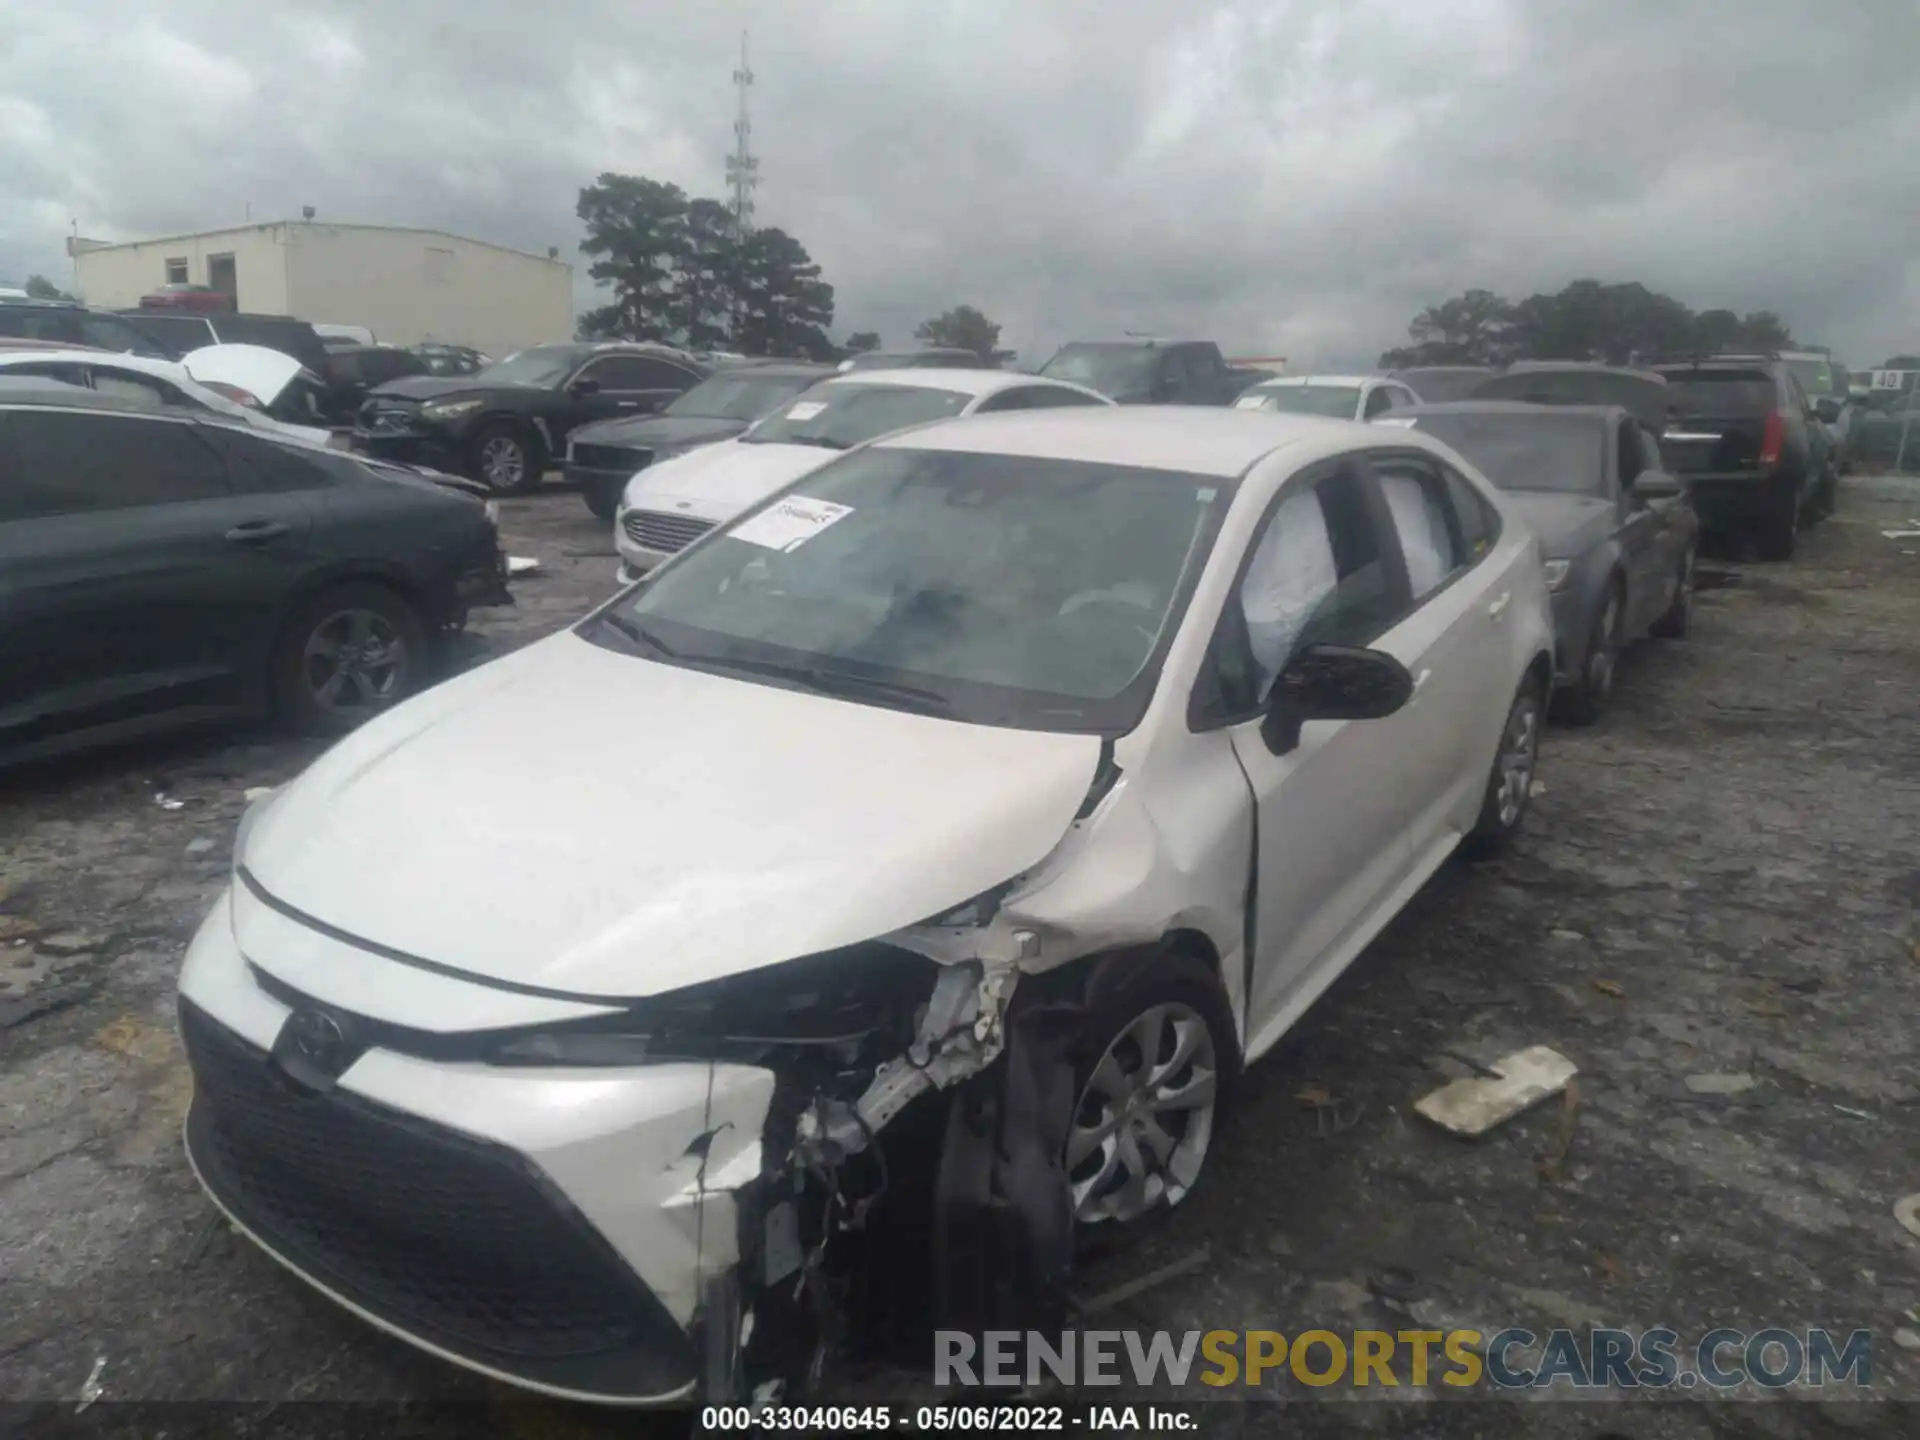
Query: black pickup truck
x,y
1151,372
504,425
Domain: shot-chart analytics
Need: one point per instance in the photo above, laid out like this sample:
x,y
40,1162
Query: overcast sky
x,y
1290,177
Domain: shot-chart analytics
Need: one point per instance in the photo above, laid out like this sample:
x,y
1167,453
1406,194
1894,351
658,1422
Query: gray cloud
x,y
1293,178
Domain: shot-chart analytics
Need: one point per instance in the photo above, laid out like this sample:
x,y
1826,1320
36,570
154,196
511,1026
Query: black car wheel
x,y
1678,617
602,497
1587,698
1510,785
505,461
346,655
1780,531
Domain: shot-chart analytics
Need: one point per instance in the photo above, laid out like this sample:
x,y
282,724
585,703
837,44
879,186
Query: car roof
x,y
10,344
69,355
1581,367
1280,380
779,369
1512,407
38,303
1191,439
966,382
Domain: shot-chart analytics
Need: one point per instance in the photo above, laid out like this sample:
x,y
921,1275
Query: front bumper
x,y
415,447
551,1228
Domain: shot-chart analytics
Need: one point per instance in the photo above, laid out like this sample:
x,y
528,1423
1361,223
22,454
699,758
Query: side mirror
x,y
1332,682
583,387
1657,485
1828,409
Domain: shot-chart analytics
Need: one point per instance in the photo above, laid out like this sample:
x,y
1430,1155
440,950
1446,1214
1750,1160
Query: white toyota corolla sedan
x,y
1030,772
673,502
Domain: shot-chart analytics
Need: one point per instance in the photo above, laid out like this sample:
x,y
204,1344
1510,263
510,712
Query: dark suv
x,y
65,323
183,333
506,424
1754,450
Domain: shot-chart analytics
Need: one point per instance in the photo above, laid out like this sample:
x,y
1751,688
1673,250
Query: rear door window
x,y
79,464
1416,497
1477,522
1726,393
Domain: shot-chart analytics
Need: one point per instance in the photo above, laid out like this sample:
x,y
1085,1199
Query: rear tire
x,y
346,655
1780,532
1510,784
1678,618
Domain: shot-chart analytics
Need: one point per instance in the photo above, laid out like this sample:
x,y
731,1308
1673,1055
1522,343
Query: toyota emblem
x,y
317,1039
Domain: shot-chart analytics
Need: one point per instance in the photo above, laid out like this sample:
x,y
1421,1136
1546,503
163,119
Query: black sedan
x,y
1618,532
601,458
506,424
159,568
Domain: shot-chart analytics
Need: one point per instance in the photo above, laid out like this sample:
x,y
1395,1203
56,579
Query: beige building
x,y
404,285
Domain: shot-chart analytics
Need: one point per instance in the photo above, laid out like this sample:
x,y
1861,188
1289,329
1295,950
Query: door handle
x,y
255,531
627,404
1500,605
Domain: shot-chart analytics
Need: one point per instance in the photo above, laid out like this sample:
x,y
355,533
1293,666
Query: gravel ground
x,y
1719,880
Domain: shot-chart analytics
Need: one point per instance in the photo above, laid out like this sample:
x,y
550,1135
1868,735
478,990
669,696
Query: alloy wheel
x,y
1519,753
354,662
1144,1121
503,463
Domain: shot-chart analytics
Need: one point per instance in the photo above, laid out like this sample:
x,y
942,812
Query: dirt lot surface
x,y
1712,914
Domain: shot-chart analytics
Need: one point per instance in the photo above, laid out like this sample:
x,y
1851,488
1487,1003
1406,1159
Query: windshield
x,y
1110,369
542,365
1560,453
1036,594
840,415
1727,394
737,397
1340,401
1815,377
1437,387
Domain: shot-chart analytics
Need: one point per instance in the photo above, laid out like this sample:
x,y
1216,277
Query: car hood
x,y
689,827
435,387
719,481
657,432
1568,525
261,372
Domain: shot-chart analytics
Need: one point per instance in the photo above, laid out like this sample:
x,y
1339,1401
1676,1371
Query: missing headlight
x,y
839,1005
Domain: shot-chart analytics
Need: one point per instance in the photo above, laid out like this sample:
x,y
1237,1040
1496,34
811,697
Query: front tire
x,y
602,497
1678,618
1151,1079
1510,784
505,460
346,655
1587,699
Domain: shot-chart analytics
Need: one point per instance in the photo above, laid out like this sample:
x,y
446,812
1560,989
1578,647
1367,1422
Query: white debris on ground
x,y
1473,1106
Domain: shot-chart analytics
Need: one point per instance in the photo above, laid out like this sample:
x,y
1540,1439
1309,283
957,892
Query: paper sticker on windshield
x,y
1250,402
1405,422
791,523
806,409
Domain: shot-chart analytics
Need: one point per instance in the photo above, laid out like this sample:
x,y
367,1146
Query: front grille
x,y
610,457
377,416
659,531
456,1240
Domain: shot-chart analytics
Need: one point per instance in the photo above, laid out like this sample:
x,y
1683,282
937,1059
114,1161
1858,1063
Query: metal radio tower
x,y
743,170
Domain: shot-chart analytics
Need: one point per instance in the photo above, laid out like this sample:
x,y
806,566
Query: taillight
x,y
233,393
1773,437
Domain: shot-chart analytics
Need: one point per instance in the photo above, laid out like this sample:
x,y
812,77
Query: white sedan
x,y
672,503
1045,766
235,381
1340,397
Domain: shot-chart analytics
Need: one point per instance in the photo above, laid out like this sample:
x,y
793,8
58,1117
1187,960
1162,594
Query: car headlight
x,y
1557,572
841,1003
449,409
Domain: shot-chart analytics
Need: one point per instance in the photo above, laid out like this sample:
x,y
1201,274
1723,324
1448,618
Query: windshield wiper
x,y
833,682
640,635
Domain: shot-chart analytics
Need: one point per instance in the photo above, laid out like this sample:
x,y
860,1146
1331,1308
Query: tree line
x,y
1588,320
684,273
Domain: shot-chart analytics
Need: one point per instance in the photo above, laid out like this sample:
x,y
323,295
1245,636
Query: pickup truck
x,y
1151,372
